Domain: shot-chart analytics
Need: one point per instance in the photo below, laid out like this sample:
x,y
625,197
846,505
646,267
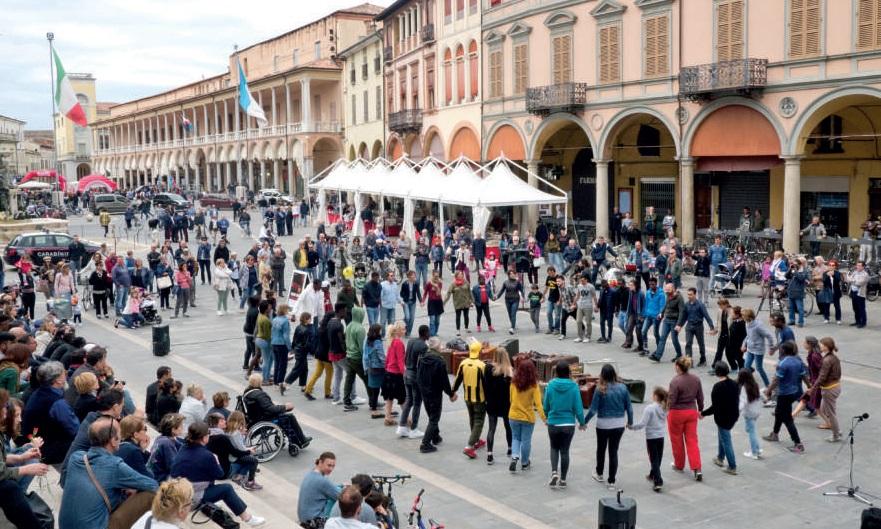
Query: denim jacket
x,y
615,402
374,356
281,331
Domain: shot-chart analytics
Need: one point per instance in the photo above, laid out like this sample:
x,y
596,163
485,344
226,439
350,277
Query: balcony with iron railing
x,y
405,121
427,33
561,97
740,76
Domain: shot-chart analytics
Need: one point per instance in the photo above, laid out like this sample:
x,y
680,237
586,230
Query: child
x,y
379,503
654,420
131,314
374,365
766,276
535,298
490,266
393,385
77,310
243,469
750,408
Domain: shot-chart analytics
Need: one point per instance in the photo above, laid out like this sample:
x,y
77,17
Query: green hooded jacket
x,y
355,335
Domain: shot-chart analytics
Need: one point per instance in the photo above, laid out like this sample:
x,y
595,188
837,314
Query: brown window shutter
x,y
813,27
662,27
877,23
604,54
558,60
566,59
723,31
866,24
614,55
651,46
797,28
736,30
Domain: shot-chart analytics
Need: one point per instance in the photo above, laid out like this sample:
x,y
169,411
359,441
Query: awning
x,y
46,175
95,180
733,164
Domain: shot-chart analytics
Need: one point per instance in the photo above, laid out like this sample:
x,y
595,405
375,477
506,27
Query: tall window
x,y
868,24
460,8
805,20
448,11
562,63
379,102
610,54
429,84
521,68
472,67
460,74
448,76
657,41
729,30
354,110
414,86
495,73
390,92
317,50
366,107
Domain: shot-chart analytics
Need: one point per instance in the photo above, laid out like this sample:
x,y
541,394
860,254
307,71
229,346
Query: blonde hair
x,y
396,330
502,363
173,496
282,309
85,382
194,389
748,314
130,425
235,422
255,380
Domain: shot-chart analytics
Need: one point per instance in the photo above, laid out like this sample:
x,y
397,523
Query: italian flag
x,y
65,97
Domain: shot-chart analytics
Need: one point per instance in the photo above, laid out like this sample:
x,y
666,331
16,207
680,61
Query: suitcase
x,y
587,390
617,513
512,345
636,389
448,360
457,357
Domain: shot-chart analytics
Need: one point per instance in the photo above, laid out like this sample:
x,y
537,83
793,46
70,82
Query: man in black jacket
x,y
221,252
162,373
433,382
725,410
371,296
75,253
416,349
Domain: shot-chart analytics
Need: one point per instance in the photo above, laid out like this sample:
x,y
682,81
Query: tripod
x,y
851,491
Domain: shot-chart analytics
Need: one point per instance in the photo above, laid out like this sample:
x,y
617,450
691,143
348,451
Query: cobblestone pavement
x,y
781,491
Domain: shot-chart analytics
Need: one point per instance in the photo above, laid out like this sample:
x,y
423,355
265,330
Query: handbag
x,y
163,282
41,510
824,296
42,286
215,514
538,262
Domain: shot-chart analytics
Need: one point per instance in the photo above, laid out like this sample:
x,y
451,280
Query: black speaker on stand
x,y
617,512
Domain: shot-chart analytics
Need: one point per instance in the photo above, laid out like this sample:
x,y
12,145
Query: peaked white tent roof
x,y
501,187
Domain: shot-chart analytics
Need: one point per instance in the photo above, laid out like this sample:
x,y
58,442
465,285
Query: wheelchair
x,y
269,437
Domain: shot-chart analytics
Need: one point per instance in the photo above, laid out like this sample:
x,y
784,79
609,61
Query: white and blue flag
x,y
248,103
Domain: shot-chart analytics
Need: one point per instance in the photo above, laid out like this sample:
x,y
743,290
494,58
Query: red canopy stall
x,y
51,175
95,180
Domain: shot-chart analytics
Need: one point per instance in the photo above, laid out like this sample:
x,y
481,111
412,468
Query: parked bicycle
x,y
415,521
383,484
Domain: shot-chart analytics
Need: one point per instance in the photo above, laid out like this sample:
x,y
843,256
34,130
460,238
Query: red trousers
x,y
682,425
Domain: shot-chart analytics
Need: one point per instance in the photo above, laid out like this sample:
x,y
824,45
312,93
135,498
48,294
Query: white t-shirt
x,y
154,524
347,523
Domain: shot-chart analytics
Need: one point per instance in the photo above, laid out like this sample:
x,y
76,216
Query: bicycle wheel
x,y
809,301
393,513
86,299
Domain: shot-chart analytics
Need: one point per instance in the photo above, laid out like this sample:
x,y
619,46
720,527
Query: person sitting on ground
x,y
169,399
84,504
131,314
87,386
196,463
193,408
222,446
171,506
109,404
351,508
134,448
237,430
366,515
48,414
150,406
221,401
166,447
13,469
317,493
261,408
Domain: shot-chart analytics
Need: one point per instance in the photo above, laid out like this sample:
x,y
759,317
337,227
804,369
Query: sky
x,y
133,48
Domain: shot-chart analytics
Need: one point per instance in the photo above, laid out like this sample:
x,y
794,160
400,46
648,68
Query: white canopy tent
x,y
461,182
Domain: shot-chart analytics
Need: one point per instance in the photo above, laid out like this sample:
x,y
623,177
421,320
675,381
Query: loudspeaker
x,y
617,513
871,518
161,340
512,345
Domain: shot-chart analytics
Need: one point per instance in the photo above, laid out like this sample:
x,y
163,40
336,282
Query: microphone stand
x,y
851,491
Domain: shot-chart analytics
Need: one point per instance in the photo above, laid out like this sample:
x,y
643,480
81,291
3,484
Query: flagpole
x,y
247,122
50,37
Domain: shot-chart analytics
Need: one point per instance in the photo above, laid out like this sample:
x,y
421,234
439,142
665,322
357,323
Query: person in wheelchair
x,y
259,407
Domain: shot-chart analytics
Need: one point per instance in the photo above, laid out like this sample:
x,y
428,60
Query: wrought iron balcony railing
x,y
427,33
719,78
562,97
405,121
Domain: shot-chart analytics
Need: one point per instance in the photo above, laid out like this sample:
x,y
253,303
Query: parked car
x,y
41,244
161,200
112,202
217,200
273,197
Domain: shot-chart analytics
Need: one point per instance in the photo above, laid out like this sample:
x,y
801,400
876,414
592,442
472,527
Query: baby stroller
x,y
149,312
725,281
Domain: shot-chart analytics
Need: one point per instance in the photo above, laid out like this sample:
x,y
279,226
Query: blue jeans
x,y
409,316
247,292
750,427
372,315
433,324
121,296
387,317
512,312
759,359
322,270
421,273
650,323
553,312
266,354
797,305
225,493
129,320
726,448
521,440
667,328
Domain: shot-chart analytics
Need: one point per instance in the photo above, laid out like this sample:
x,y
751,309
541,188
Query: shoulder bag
x,y
97,485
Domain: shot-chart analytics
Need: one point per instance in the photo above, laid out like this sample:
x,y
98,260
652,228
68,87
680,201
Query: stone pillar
x,y
276,177
529,214
186,183
602,198
274,112
291,189
686,186
306,173
305,105
198,177
251,176
237,119
791,203
261,180
287,103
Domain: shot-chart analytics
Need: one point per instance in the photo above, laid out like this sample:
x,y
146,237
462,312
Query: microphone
x,y
861,418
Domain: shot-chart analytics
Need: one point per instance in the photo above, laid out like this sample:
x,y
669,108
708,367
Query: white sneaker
x,y
561,337
751,455
255,521
402,431
577,340
337,402
359,401
416,433
587,340
220,313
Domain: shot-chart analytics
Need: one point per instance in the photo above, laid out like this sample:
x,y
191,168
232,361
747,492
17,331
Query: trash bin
x,y
161,340
617,513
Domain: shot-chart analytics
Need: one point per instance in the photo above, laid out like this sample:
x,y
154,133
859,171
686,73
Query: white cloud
x,y
134,47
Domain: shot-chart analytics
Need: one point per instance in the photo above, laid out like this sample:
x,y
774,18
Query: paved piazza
x,y
782,491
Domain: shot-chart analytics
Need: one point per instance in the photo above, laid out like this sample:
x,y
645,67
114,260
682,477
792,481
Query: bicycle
x,y
383,484
416,512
